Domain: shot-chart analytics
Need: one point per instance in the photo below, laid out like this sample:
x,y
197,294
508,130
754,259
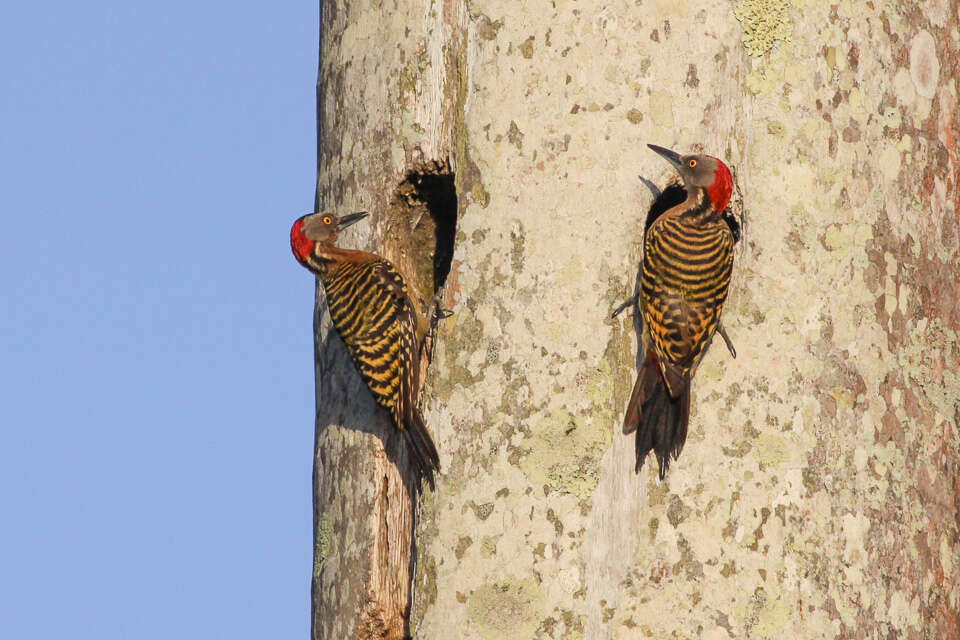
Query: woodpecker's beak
x,y
345,221
671,156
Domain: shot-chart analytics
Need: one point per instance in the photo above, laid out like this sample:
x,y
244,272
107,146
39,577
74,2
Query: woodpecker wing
x,y
406,414
401,330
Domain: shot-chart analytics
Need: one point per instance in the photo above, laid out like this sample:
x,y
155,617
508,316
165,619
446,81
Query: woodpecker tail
x,y
659,419
422,450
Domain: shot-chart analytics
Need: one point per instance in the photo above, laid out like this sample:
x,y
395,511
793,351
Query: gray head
x,y
702,171
316,228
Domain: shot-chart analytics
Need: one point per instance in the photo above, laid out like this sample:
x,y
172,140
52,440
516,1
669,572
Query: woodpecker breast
x,y
687,263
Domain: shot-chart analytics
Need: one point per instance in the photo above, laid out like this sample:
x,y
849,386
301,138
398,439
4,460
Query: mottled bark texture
x,y
817,493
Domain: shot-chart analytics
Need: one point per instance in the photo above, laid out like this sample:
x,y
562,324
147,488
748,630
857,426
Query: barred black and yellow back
x,y
372,313
684,277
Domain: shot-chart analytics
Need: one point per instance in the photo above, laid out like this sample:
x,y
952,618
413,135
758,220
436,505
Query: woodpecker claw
x,y
631,302
726,339
437,314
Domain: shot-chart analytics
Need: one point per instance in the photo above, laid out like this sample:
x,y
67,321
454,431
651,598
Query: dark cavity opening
x,y
439,195
672,195
422,226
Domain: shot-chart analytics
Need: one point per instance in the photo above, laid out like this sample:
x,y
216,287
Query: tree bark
x,y
817,495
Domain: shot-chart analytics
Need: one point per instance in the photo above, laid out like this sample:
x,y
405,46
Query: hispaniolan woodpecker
x,y
684,276
373,314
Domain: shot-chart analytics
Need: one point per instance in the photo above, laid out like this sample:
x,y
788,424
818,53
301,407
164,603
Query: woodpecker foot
x,y
437,313
726,338
628,303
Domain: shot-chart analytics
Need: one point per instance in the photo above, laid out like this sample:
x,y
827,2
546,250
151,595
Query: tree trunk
x,y
817,495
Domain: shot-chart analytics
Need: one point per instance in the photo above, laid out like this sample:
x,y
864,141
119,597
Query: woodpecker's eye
x,y
327,220
692,163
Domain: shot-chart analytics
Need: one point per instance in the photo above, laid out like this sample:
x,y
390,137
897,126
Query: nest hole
x,y
422,228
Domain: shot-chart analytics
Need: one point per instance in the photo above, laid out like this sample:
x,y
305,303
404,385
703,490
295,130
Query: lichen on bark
x,y
817,492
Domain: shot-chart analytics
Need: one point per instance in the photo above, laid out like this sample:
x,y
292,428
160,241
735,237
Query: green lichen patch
x,y
462,334
688,564
517,240
324,540
772,450
469,180
427,581
677,512
408,77
616,357
763,616
488,546
424,591
508,610
934,368
564,451
573,624
512,402
764,23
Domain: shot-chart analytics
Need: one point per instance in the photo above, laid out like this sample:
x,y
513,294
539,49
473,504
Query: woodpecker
x,y
374,316
684,276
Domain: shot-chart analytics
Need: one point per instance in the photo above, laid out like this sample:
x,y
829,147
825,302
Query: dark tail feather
x,y
647,380
660,420
422,449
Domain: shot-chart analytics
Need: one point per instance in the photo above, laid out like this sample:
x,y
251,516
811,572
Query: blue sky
x,y
156,386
